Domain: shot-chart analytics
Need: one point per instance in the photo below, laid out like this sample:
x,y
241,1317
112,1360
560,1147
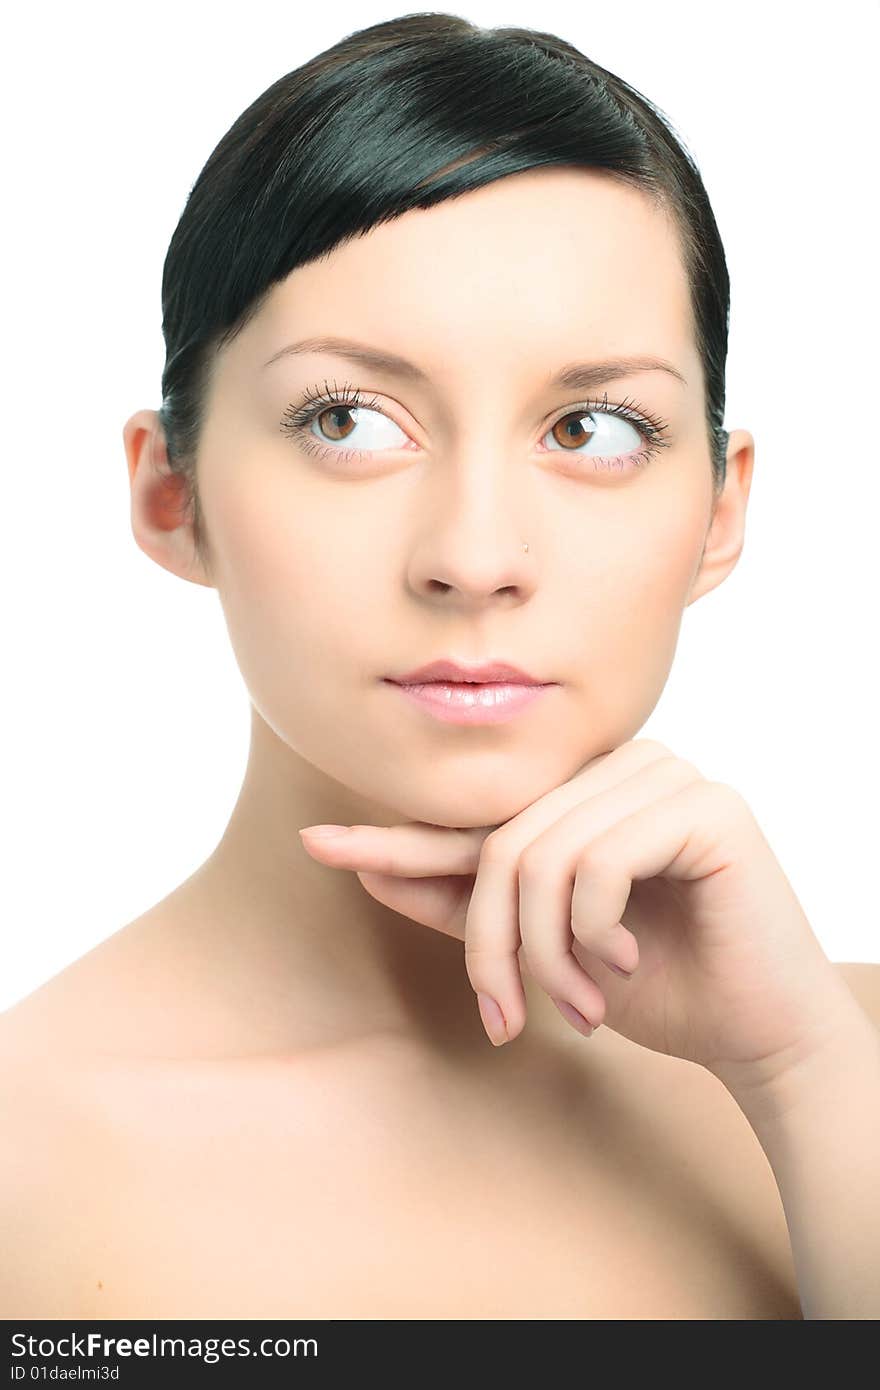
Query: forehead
x,y
549,261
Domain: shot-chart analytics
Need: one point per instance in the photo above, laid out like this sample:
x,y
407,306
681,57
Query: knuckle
x,y
682,765
582,932
482,952
496,848
692,768
544,965
535,863
653,745
730,803
482,965
726,796
593,860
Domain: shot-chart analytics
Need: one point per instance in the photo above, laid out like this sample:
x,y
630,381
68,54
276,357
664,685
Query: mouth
x,y
451,672
472,702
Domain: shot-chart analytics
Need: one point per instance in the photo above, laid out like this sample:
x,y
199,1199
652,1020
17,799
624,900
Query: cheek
x,y
298,592
289,580
634,594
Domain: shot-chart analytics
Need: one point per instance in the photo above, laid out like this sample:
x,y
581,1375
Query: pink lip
x,y
474,702
447,669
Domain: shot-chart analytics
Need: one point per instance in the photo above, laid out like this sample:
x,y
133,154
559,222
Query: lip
x,y
460,672
472,702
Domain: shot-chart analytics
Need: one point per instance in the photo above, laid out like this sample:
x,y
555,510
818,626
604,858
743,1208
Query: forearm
x,y
820,1130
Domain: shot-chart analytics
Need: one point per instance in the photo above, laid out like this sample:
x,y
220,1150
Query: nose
x,y
478,545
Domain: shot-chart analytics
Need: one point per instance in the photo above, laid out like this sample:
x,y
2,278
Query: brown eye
x,y
570,431
325,418
336,423
336,431
614,435
321,426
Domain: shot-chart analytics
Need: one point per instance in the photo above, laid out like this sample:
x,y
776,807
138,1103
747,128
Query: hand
x,y
639,864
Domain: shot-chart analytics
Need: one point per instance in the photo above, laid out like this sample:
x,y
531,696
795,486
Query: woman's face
x,y
336,572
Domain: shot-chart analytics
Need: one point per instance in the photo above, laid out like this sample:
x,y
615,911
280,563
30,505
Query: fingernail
x,y
627,974
575,1018
323,830
493,1019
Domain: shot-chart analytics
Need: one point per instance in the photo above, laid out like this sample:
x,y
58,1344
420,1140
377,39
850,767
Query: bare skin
x,y
274,1096
172,1169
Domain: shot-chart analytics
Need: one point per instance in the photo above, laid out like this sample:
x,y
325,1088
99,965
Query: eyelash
x,y
298,417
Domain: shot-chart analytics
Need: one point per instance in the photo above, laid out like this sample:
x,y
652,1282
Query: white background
x,y
124,717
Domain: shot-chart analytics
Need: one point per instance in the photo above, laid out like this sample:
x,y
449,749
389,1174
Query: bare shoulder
x,y
863,979
136,992
57,1157
37,1124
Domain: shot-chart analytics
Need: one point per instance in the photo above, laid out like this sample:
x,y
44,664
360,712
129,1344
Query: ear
x,y
159,498
724,541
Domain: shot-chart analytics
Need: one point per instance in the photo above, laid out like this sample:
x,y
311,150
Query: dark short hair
x,y
356,136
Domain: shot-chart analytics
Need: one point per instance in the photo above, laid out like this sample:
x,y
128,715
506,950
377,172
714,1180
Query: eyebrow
x,y
576,376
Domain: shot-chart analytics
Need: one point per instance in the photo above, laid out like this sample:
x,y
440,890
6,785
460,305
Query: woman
x,y
446,328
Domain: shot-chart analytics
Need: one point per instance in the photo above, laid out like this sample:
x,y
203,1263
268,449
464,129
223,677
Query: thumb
x,y
439,902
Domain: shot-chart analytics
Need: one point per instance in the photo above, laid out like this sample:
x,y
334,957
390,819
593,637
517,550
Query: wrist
x,y
830,1057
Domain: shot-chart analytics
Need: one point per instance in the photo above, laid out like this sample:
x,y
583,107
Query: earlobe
x,y
160,520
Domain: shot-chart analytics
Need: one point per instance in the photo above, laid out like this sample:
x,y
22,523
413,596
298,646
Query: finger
x,y
421,849
492,940
548,888
676,837
439,903
596,776
415,850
